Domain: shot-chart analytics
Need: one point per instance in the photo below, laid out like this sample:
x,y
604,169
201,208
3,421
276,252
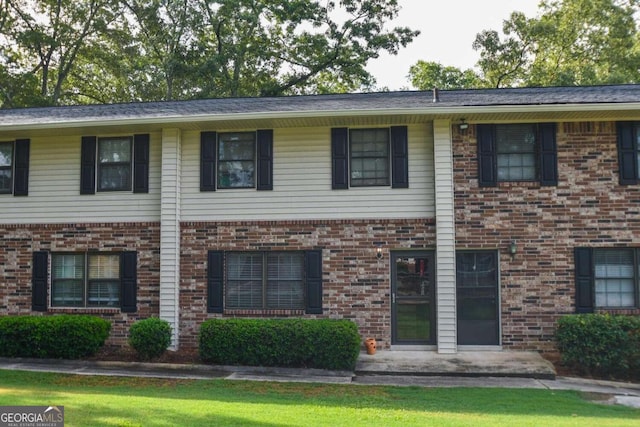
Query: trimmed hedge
x,y
601,344
56,337
307,343
150,337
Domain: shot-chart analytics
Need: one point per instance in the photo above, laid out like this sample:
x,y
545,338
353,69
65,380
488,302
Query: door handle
x,y
393,298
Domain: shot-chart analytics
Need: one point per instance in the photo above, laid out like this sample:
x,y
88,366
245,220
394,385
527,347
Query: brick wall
x,y
587,208
20,241
356,284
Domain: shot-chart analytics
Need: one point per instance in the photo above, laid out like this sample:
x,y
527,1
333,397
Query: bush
x,y
150,338
310,343
57,337
601,344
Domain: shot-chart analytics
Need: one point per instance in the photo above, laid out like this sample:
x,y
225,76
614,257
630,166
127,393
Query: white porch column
x,y
445,237
170,231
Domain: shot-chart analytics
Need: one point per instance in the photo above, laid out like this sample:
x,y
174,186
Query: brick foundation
x,y
20,241
356,284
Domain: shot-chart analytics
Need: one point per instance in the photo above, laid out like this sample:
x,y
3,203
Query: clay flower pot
x,y
370,344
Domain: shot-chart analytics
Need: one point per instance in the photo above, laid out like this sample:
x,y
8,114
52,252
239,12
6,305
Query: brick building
x,y
445,221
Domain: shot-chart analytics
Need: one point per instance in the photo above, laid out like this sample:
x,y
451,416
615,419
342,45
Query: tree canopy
x,y
571,42
78,51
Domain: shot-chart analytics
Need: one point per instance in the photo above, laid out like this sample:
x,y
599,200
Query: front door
x,y
413,298
477,298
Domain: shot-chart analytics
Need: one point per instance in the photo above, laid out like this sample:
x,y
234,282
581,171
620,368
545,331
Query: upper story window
x,y
517,152
85,280
114,163
117,163
629,152
6,167
370,157
236,160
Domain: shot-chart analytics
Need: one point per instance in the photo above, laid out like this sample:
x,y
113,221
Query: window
x,y
615,277
85,280
629,152
517,152
607,278
236,160
6,167
271,280
114,164
118,163
369,157
280,280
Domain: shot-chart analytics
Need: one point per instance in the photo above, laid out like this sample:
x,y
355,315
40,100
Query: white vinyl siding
x,y
54,189
445,239
302,183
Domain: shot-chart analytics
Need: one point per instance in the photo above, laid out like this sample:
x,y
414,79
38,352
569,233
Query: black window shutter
x,y
88,165
39,279
627,159
583,258
487,156
21,179
141,163
129,282
400,157
265,159
208,161
215,284
340,158
313,267
548,154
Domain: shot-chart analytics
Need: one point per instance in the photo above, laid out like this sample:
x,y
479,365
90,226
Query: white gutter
x,y
430,111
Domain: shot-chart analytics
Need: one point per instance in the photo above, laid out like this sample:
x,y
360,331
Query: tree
x,y
427,75
42,39
573,42
276,47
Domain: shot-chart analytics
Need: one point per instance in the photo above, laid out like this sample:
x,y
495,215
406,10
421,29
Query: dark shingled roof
x,y
323,103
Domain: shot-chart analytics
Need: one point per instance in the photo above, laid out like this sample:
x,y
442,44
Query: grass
x,y
115,401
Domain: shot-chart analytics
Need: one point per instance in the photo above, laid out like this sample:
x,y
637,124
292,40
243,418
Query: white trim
x,y
429,112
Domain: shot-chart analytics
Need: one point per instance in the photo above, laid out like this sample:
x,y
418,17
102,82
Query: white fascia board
x,y
431,111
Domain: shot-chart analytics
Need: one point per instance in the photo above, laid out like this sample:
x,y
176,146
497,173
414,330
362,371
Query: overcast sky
x,y
448,29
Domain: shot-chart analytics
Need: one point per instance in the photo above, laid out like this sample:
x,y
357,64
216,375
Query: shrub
x,y
310,343
601,344
58,337
150,338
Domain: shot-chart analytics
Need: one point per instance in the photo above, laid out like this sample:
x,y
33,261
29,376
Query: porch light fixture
x,y
378,251
513,248
463,126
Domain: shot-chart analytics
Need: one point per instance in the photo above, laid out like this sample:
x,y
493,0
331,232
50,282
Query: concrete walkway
x,y
396,368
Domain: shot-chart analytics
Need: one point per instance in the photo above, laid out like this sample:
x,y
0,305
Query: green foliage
x,y
601,344
85,51
150,338
57,337
428,75
569,43
310,343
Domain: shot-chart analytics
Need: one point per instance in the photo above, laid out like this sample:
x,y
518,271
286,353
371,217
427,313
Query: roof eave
x,y
453,111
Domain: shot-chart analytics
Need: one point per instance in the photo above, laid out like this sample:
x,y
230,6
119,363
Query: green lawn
x,y
111,401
